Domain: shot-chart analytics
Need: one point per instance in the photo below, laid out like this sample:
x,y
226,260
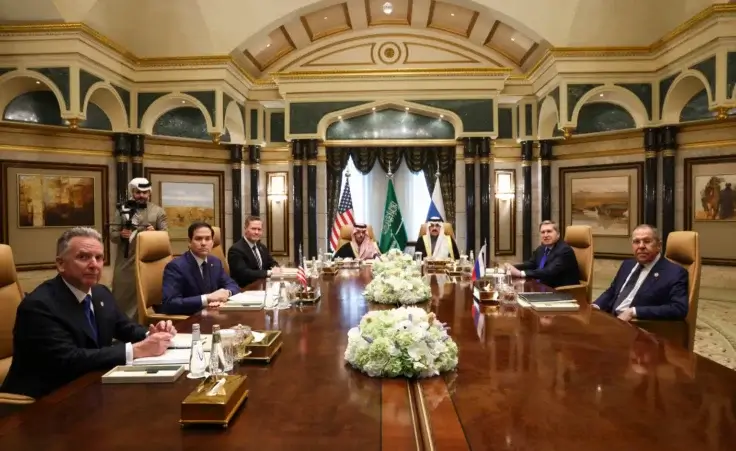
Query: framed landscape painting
x,y
42,199
709,206
188,196
608,198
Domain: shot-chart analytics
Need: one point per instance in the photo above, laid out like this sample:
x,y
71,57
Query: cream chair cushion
x,y
448,230
218,250
683,248
346,235
580,239
153,252
10,296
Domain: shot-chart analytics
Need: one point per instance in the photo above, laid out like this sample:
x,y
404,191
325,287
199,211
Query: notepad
x,y
247,298
170,357
184,341
556,306
533,298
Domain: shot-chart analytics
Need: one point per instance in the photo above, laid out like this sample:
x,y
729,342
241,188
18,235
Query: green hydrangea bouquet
x,y
400,288
401,342
395,262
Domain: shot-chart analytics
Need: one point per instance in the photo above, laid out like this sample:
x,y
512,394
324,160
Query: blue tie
x,y
544,258
87,304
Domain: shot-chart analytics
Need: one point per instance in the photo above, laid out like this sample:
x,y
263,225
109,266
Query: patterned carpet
x,y
715,336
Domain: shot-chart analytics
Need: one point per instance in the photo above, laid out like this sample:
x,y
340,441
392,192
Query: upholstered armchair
x,y
683,248
448,230
580,239
10,296
153,252
346,235
218,250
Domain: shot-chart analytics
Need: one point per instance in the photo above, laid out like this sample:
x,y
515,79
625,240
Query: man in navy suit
x,y
553,263
647,286
70,325
195,280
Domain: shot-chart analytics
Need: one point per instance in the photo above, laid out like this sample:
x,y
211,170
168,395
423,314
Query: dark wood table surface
x,y
525,381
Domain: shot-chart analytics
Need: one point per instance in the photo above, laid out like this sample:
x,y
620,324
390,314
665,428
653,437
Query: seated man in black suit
x,y
249,260
647,286
65,327
553,263
195,279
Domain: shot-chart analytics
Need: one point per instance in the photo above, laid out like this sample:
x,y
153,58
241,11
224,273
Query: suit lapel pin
x,y
656,274
102,304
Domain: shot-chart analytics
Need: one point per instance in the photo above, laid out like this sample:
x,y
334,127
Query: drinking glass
x,y
228,349
240,346
328,256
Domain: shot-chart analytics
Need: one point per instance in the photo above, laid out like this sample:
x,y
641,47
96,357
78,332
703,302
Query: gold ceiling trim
x,y
439,72
56,150
390,143
58,28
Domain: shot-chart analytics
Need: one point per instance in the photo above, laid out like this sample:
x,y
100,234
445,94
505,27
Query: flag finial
x,y
389,174
347,172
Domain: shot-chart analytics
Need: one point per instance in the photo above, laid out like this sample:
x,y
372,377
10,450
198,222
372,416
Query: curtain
x,y
414,170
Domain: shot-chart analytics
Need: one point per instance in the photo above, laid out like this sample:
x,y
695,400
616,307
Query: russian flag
x,y
479,269
436,205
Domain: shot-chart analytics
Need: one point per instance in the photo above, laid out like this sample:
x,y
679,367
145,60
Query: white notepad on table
x,y
170,357
556,306
184,341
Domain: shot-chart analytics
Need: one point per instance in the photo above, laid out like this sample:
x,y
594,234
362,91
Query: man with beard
x,y
361,247
435,243
142,215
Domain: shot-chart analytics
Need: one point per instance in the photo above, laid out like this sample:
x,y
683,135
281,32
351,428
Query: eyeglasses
x,y
645,241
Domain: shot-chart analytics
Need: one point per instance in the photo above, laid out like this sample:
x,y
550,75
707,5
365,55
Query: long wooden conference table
x,y
525,381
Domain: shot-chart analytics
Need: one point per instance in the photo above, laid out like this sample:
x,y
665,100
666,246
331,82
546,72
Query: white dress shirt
x,y
642,276
80,295
201,273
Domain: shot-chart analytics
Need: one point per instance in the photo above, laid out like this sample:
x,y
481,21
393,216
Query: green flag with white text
x,y
393,232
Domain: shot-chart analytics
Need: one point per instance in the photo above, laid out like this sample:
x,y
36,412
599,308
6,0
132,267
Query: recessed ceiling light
x,y
388,8
183,101
442,116
38,82
452,14
601,95
513,39
374,108
268,45
325,17
407,108
339,118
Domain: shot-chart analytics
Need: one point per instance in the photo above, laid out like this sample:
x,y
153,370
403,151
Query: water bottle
x,y
217,354
197,364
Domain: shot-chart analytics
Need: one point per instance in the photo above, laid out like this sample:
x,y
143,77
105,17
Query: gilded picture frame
x,y
42,199
706,209
608,198
187,196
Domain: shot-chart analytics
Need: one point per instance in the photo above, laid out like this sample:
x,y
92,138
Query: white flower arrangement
x,y
401,342
401,288
394,261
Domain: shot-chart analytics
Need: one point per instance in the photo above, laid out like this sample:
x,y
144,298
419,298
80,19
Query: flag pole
x,y
389,174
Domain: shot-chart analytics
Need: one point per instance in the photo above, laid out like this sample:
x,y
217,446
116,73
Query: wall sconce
x,y
505,189
277,213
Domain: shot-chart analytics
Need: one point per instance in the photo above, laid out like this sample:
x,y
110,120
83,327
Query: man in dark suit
x,y
249,260
553,263
647,286
195,280
65,327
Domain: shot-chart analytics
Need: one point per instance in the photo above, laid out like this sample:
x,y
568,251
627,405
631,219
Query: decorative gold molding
x,y
708,144
121,159
669,153
390,142
612,136
650,154
56,131
184,158
598,154
204,60
459,72
139,160
56,150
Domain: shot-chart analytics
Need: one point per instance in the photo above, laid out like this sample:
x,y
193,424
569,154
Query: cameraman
x,y
139,214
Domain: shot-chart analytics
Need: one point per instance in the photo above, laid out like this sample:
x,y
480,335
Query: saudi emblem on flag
x,y
393,233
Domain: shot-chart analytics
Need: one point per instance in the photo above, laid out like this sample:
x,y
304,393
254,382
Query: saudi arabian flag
x,y
393,233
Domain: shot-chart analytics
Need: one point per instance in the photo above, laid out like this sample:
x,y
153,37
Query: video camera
x,y
129,219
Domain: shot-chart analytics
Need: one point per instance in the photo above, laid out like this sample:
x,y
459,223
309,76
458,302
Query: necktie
x,y
626,290
258,257
206,277
543,261
87,305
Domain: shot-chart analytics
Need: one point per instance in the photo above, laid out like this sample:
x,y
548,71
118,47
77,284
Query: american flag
x,y
344,215
301,276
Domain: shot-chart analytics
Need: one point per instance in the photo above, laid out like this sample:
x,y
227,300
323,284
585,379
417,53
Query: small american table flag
x,y
301,276
344,215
